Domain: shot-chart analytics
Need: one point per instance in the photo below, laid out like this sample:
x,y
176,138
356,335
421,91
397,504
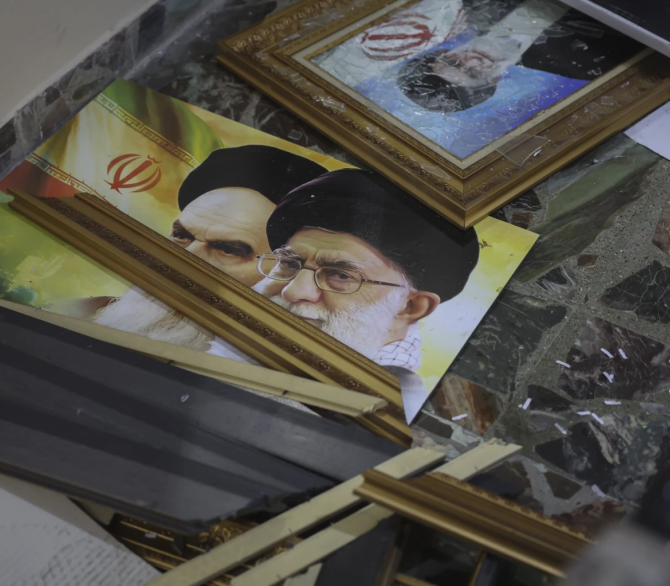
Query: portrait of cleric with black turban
x,y
225,204
356,257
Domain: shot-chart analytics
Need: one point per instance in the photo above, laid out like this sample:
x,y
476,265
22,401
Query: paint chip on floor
x,y
561,429
612,402
527,403
623,354
597,419
459,417
606,353
563,363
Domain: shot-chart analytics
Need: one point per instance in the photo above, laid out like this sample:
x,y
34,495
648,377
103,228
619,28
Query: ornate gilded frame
x,y
477,516
216,301
267,56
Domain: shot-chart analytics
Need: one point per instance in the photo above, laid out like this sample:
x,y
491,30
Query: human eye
x,y
339,279
238,249
181,235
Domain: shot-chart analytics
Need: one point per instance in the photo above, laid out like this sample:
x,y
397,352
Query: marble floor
x,y
593,295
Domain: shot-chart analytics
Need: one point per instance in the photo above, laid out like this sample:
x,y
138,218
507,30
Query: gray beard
x,y
364,328
136,312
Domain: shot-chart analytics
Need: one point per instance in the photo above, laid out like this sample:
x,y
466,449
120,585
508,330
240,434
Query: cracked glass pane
x,y
464,73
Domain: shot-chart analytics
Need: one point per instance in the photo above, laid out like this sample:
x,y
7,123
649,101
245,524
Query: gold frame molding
x,y
265,56
474,515
219,303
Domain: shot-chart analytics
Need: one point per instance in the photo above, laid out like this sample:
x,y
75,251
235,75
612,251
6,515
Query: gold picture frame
x,y
466,512
274,57
262,329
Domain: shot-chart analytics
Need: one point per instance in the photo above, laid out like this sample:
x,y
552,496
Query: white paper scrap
x,y
654,131
612,402
623,354
608,376
563,363
597,419
606,353
560,429
526,404
583,413
459,417
48,541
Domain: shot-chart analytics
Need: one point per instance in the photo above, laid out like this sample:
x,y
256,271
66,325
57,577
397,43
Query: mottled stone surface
x,y
645,370
619,456
528,202
456,396
646,294
547,409
585,204
505,339
586,261
521,219
591,519
559,281
661,236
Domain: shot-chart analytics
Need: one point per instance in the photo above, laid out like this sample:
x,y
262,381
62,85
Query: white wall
x,y
40,40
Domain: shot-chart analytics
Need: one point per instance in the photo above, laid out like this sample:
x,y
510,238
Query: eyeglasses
x,y
333,279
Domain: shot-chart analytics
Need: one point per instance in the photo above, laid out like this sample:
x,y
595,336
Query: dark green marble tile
x,y
619,455
646,294
560,282
644,371
585,207
505,339
547,409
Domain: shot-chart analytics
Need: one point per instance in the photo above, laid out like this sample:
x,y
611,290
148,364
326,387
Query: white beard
x,y
364,328
136,312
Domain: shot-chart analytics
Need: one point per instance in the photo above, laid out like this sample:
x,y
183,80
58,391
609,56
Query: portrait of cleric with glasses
x,y
356,257
345,250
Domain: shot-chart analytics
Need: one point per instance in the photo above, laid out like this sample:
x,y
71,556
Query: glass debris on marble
x,y
463,73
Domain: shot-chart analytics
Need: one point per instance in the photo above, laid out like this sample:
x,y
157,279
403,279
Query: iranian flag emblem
x,y
398,37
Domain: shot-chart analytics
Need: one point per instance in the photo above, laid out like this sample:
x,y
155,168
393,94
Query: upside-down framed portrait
x,y
464,104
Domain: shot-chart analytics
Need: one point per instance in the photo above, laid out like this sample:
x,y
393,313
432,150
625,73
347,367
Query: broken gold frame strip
x,y
291,523
260,328
470,513
266,56
250,376
327,541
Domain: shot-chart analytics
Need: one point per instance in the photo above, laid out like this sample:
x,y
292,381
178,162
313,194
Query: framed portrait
x,y
199,231
464,104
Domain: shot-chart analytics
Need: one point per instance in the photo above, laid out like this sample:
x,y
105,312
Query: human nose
x,y
302,288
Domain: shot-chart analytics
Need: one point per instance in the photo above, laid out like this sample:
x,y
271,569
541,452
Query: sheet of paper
x,y
46,540
654,131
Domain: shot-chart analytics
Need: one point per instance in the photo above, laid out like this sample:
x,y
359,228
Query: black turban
x,y
435,255
269,170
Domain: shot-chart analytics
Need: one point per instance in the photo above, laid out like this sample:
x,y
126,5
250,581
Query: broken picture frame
x,y
464,104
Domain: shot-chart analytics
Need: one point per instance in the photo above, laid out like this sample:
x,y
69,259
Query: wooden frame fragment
x,y
347,530
293,522
274,56
495,524
260,328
